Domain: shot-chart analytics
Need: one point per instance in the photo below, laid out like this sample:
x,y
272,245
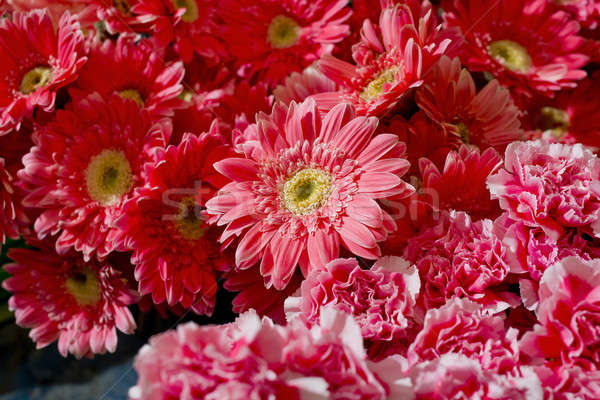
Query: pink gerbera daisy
x,y
526,45
66,298
175,253
308,185
272,38
389,60
299,86
37,60
84,165
133,70
187,24
485,118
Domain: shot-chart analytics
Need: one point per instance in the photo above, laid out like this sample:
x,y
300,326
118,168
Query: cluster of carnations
x,y
404,195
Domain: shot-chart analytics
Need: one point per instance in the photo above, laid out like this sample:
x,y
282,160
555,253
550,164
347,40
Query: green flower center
x,y
34,79
464,133
191,9
108,177
511,54
554,120
306,191
189,222
132,94
374,89
84,287
283,32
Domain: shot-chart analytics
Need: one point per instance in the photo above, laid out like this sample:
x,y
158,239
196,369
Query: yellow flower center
x,y
191,9
283,32
375,87
35,79
108,177
132,94
306,190
189,222
554,120
511,54
84,287
186,96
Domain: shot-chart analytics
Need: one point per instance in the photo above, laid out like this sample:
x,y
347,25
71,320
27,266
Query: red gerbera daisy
x,y
526,45
117,15
36,61
389,61
310,184
485,118
273,38
571,116
8,214
188,24
84,165
175,252
133,70
63,297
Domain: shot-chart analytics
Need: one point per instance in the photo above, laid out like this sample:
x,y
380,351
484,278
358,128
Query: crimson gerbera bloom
x,y
36,61
8,214
133,70
187,24
273,38
571,116
176,254
389,60
485,118
310,184
66,298
526,45
84,165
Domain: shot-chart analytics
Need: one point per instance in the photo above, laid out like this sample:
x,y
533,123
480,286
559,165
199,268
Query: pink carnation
x,y
568,314
256,359
461,326
459,257
553,186
454,376
381,299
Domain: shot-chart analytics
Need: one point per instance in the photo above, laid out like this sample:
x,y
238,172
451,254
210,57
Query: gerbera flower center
x,y
511,54
132,94
84,287
464,133
374,89
306,190
108,177
35,78
191,9
283,32
189,222
122,6
554,120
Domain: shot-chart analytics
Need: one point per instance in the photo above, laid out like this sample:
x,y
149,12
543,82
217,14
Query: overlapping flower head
x,y
308,187
271,38
175,252
530,48
389,60
37,60
357,172
84,165
63,297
